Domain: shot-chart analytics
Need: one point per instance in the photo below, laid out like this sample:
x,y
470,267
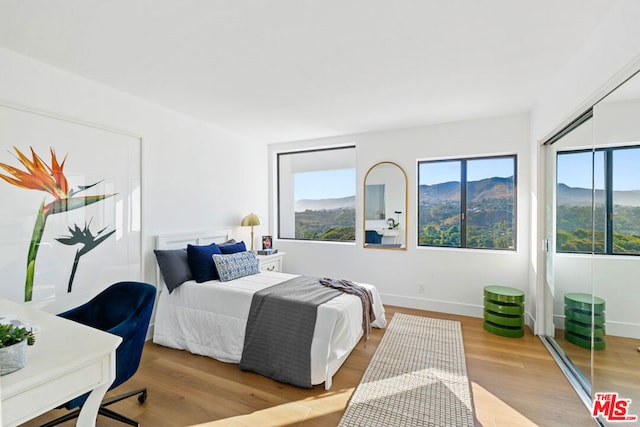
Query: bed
x,y
209,318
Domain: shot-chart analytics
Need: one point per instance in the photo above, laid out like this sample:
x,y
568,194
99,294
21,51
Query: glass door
x,y
592,293
616,270
569,187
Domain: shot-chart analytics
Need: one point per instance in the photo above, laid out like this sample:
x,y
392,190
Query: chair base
x,y
103,410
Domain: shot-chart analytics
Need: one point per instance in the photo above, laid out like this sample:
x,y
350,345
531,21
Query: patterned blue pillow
x,y
236,265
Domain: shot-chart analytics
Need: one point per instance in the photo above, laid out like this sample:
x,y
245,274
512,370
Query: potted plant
x,y
13,347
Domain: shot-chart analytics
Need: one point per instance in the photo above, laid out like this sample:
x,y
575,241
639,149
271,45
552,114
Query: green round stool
x,y
504,311
584,319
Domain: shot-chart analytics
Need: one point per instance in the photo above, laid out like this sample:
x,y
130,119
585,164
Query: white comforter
x,y
209,319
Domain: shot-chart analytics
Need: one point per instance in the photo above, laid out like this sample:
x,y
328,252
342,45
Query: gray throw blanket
x,y
368,315
280,328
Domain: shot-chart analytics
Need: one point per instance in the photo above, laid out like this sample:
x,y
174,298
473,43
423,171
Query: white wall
x,y
194,175
613,45
448,280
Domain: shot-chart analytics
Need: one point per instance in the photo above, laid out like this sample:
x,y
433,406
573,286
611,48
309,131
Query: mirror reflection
x,y
593,267
385,207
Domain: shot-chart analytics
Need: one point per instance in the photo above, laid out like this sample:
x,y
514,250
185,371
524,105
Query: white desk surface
x,y
67,360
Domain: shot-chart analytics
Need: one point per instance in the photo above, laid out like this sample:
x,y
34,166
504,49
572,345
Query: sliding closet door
x,y
570,199
616,270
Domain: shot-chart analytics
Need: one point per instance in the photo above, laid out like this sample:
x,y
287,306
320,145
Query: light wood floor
x,y
615,367
515,382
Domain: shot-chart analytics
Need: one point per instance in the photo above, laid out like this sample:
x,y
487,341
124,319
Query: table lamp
x,y
251,220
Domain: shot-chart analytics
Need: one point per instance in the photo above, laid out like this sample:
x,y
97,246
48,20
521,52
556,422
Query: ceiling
x,y
284,70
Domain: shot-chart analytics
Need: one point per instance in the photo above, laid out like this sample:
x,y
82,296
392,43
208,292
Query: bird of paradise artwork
x,y
88,241
50,178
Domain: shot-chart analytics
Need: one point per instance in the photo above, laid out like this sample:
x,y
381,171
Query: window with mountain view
x,y
316,194
598,201
467,203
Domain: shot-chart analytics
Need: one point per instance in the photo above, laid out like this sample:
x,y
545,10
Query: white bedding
x,y
209,319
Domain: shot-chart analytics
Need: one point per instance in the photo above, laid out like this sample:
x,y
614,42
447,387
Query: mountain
x,y
575,196
489,188
348,202
445,191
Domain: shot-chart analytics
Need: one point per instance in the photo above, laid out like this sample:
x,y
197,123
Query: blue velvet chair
x,y
372,237
123,309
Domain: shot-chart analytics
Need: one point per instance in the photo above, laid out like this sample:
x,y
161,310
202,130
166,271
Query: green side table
x,y
584,319
504,311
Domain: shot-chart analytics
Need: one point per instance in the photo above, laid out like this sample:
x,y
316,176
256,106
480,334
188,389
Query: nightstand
x,y
271,262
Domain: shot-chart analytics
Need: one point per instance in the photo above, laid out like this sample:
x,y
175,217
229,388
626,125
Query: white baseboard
x,y
613,328
440,306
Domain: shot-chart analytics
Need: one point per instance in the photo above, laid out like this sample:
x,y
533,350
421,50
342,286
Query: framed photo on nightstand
x,y
267,242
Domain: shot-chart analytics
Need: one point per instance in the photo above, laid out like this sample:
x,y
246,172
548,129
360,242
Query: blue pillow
x,y
174,266
239,264
233,248
201,262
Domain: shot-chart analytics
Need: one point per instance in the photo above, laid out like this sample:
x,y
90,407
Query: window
x,y
605,220
316,194
467,203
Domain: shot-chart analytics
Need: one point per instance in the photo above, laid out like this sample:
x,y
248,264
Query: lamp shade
x,y
250,220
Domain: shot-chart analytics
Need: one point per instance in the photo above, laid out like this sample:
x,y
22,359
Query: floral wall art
x,y
70,217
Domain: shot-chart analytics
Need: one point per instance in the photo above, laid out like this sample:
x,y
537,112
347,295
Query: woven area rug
x,y
417,377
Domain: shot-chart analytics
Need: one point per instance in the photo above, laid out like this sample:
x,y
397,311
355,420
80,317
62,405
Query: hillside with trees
x,y
326,224
576,219
490,214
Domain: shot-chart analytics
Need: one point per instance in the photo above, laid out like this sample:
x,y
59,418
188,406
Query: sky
x,y
446,171
626,169
574,169
330,184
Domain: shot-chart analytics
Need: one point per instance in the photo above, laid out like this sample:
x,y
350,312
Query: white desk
x,y
67,360
390,235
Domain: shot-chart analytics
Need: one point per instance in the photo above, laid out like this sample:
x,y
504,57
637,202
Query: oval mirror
x,y
385,207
